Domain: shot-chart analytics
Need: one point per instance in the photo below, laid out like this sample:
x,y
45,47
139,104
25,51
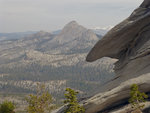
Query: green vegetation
x,y
7,107
77,77
137,97
72,102
41,102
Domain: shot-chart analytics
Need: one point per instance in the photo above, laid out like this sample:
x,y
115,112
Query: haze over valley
x,y
75,56
56,59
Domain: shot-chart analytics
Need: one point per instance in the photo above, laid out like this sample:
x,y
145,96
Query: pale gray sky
x,y
50,15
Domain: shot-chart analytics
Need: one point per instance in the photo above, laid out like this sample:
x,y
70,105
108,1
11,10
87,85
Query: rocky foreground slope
x,y
129,42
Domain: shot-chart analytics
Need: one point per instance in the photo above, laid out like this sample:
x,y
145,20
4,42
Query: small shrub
x,y
7,107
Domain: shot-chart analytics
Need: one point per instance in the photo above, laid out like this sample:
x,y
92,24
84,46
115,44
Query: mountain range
x,y
15,35
56,59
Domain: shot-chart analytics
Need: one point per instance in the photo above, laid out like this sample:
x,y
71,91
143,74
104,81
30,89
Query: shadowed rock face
x,y
145,4
129,42
118,38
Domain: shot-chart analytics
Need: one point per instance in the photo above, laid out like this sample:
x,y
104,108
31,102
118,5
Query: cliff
x,y
129,42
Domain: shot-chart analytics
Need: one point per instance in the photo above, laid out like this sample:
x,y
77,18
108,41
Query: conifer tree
x,y
72,102
40,102
136,97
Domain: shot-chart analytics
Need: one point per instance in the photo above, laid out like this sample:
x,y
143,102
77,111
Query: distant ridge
x,y
58,60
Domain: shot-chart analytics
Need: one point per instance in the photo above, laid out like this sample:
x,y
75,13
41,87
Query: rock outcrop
x,y
129,42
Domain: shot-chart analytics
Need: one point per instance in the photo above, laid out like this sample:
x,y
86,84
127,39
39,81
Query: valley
x,y
57,60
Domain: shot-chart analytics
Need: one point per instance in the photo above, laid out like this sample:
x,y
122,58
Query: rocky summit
x,y
129,42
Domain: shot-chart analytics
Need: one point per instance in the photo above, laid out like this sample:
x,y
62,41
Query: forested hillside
x,y
58,60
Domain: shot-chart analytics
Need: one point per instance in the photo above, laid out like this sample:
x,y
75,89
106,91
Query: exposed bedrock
x,y
129,42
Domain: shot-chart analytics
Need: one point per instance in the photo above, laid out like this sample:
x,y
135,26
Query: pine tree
x,y
40,102
137,97
72,102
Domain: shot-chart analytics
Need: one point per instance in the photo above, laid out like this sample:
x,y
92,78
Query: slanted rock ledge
x,y
129,42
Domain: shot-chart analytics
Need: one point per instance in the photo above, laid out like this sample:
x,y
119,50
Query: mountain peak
x,y
73,27
74,32
72,23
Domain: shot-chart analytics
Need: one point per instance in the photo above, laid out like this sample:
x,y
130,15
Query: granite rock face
x,y
129,42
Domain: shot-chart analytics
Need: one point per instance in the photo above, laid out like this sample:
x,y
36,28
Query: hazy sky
x,y
50,15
